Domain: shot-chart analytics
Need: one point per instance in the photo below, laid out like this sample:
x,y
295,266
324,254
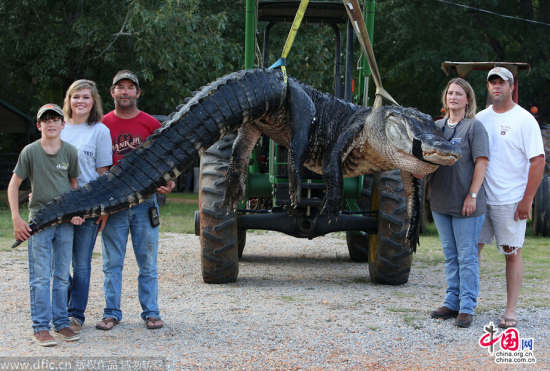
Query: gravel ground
x,y
297,305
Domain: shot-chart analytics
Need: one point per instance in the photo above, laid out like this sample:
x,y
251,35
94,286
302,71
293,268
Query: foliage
x,y
175,46
413,38
312,57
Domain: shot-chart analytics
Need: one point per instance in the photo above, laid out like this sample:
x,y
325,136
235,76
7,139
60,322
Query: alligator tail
x,y
215,110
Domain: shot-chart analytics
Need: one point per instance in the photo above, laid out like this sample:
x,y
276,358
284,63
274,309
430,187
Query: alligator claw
x,y
294,186
331,207
230,202
234,193
294,199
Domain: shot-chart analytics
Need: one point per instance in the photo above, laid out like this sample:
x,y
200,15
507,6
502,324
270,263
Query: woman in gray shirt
x,y
458,202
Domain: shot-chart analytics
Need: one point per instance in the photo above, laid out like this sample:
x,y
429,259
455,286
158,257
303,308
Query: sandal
x,y
150,323
104,324
513,322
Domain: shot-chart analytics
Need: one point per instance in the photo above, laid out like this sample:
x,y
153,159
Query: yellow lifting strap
x,y
290,39
356,18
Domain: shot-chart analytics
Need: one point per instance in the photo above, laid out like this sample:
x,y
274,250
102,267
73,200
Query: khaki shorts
x,y
500,223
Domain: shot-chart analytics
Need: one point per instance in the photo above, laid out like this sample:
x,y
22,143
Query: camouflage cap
x,y
49,107
501,72
126,75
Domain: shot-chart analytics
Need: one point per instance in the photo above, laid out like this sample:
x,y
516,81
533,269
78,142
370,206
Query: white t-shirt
x,y
514,138
94,146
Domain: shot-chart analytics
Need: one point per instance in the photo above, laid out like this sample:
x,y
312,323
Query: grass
x,y
401,294
536,261
402,310
410,316
414,321
183,196
6,225
290,298
179,217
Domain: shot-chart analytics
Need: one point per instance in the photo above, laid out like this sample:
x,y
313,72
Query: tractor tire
x,y
241,238
390,256
358,242
545,131
358,246
541,209
219,235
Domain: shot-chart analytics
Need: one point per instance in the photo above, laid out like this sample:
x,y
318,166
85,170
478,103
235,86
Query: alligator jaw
x,y
440,155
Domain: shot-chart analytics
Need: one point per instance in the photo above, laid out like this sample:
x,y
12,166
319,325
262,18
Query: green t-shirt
x,y
49,174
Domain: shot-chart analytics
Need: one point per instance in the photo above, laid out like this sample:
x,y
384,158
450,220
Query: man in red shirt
x,y
129,128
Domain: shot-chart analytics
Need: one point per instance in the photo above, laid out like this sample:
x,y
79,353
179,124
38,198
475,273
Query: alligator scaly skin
x,y
218,108
328,135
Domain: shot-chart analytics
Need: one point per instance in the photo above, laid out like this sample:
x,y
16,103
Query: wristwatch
x,y
474,195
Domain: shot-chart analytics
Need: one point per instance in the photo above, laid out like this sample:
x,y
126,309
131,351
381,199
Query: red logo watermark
x,y
513,349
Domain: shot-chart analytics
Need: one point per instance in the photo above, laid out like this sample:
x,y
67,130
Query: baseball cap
x,y
503,73
49,107
126,75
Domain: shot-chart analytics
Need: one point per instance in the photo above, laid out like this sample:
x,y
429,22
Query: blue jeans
x,y
50,259
145,243
79,284
459,238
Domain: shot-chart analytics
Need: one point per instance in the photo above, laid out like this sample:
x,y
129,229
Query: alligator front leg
x,y
413,191
333,160
334,182
301,116
235,182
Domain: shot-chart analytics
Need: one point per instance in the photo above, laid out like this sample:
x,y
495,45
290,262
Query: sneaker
x,y
43,338
76,325
444,313
66,334
464,320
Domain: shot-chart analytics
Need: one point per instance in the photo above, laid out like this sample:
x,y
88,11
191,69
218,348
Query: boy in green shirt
x,y
52,166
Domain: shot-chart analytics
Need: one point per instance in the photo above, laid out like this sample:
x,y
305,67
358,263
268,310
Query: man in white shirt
x,y
512,178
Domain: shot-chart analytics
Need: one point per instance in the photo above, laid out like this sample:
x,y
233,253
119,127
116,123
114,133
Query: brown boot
x,y
76,325
464,320
44,339
444,313
66,334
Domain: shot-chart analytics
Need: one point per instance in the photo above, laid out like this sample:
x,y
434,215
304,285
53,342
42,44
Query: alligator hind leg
x,y
301,117
235,182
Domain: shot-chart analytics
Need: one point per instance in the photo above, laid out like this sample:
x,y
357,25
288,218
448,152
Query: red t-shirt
x,y
129,134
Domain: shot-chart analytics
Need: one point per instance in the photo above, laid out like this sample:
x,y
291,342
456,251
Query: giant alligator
x,y
327,135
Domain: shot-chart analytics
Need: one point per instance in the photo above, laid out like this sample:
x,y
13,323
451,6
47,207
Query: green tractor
x,y
374,214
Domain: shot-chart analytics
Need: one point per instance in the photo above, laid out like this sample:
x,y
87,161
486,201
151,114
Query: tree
x,y
174,46
413,38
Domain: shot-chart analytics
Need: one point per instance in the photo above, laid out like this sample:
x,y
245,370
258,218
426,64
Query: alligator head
x,y
410,140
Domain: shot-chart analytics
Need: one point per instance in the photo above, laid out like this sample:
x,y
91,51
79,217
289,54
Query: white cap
x,y
501,72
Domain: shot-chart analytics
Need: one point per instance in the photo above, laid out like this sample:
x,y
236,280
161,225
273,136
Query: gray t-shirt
x,y
94,148
49,174
450,184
